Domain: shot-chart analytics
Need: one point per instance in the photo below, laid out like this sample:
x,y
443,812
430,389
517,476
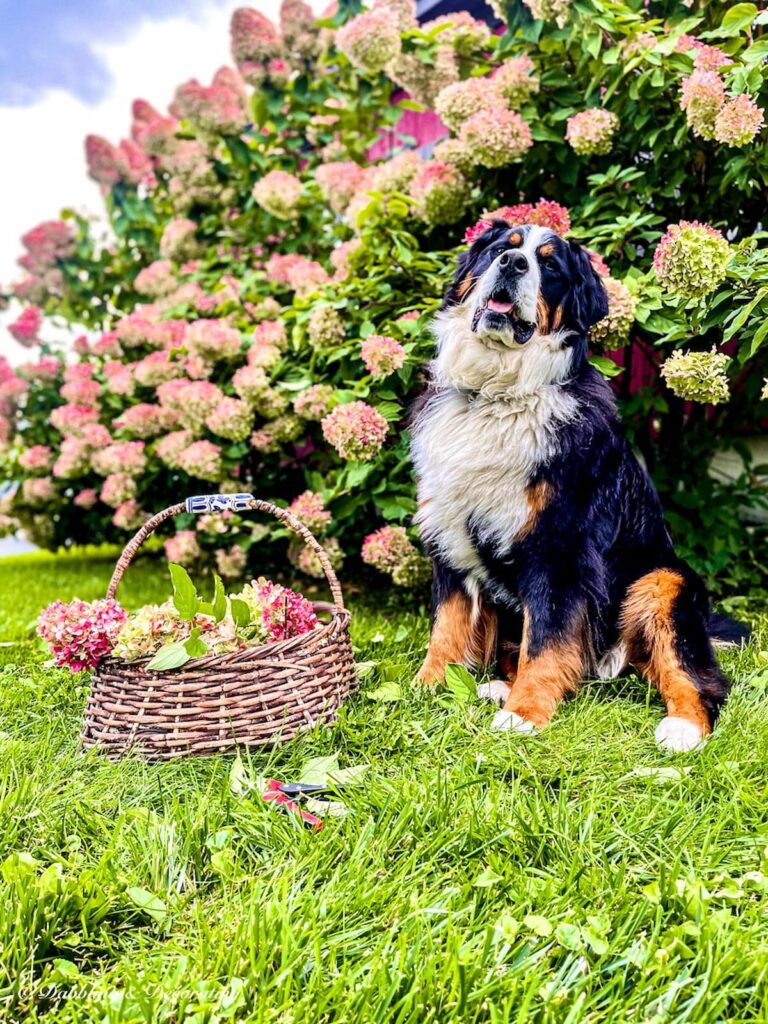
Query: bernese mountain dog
x,y
550,553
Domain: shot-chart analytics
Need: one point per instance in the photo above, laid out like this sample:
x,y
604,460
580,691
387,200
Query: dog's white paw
x,y
678,735
497,691
509,721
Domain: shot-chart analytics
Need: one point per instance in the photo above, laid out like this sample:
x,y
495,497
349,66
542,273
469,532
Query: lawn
x,y
580,875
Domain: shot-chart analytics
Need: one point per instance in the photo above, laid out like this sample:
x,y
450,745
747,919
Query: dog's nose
x,y
514,260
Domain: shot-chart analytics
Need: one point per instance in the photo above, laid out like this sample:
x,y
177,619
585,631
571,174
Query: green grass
x,y
476,877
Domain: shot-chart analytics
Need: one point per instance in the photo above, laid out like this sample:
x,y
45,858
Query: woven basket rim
x,y
340,618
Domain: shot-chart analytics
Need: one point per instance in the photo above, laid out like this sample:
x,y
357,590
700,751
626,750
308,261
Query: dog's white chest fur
x,y
474,458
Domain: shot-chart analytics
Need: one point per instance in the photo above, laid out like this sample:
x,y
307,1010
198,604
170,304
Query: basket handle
x,y
207,503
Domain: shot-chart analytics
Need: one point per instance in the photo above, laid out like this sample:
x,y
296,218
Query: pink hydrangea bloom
x,y
279,193
460,100
213,340
739,121
126,457
202,459
156,280
72,419
386,548
591,131
102,160
183,548
26,327
13,387
146,420
156,368
86,498
36,459
118,378
283,612
38,491
709,58
702,97
440,192
193,400
78,371
117,488
691,259
73,459
315,402
341,255
179,239
279,264
254,42
95,435
168,448
218,108
382,355
496,137
306,276
356,431
371,40
250,383
515,80
49,242
80,392
45,369
231,418
270,332
309,507
107,345
133,330
79,634
128,515
339,181
231,563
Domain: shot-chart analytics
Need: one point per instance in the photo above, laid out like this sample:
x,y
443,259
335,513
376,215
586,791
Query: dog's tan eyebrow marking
x,y
465,285
547,249
515,238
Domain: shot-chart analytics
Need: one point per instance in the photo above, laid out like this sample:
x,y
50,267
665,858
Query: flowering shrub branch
x,y
256,316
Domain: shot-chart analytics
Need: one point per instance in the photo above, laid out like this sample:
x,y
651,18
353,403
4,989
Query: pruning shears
x,y
288,794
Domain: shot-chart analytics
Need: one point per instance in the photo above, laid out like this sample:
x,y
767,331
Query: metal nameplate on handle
x,y
201,503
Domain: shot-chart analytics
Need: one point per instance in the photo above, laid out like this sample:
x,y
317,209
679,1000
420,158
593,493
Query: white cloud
x,y
44,167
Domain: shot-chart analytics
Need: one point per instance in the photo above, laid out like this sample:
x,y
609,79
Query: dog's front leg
x,y
463,630
551,666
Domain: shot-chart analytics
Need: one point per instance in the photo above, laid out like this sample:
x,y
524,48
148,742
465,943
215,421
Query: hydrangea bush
x,y
257,318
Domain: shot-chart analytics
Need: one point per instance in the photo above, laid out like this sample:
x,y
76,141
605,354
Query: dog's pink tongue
x,y
499,307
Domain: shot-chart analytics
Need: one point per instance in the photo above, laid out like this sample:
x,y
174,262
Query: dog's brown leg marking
x,y
459,635
546,678
539,496
649,633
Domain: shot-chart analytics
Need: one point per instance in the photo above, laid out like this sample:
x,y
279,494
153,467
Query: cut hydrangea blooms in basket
x,y
81,635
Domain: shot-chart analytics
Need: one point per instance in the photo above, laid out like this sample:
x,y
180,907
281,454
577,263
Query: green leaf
x,y
241,613
538,925
737,18
388,692
487,878
194,646
146,901
315,771
185,599
606,366
594,940
169,656
568,935
219,598
239,779
460,682
352,776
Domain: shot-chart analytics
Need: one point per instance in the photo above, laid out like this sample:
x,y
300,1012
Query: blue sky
x,y
45,44
74,67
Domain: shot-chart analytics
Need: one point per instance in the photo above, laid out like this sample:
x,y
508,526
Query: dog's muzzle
x,y
500,311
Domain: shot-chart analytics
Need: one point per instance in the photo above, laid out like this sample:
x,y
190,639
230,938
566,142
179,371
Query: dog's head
x,y
517,313
514,282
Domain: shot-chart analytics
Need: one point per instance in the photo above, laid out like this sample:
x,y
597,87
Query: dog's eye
x,y
500,249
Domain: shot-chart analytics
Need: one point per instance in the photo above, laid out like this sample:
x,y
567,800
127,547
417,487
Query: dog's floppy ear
x,y
586,302
463,279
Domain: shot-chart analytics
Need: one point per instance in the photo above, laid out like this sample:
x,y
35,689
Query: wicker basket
x,y
252,697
